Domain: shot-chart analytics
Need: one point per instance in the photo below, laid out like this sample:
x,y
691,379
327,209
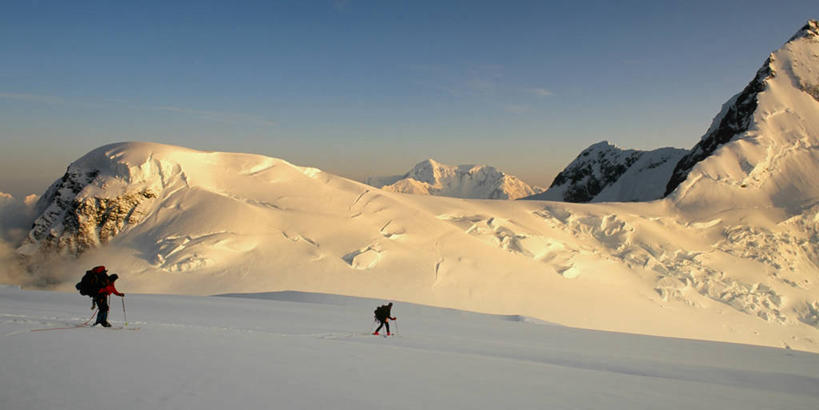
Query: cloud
x,y
43,271
517,108
44,99
11,269
540,92
220,116
478,81
48,99
340,4
16,217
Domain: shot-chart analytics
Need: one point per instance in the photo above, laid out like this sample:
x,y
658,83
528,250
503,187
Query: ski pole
x,y
124,315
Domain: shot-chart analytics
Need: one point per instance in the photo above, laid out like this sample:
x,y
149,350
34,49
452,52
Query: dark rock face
x,y
72,224
595,168
606,173
735,119
592,184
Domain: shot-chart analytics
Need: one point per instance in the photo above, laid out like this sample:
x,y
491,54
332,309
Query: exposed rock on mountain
x,y
762,149
606,173
90,205
735,118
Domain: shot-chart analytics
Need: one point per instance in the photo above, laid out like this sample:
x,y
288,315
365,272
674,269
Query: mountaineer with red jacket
x,y
102,300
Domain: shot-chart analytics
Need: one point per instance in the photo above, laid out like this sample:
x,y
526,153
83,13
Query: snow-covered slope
x,y
175,220
463,181
731,255
606,173
762,150
309,351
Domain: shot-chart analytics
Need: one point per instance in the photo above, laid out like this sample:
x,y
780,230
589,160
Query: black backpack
x,y
93,280
381,312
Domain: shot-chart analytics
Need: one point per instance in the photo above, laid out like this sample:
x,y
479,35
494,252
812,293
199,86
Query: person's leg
x,y
387,324
102,317
100,312
379,327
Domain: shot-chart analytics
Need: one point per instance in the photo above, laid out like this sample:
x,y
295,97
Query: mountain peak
x,y
605,172
809,30
760,149
430,177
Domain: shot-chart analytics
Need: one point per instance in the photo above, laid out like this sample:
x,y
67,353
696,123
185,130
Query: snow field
x,y
310,351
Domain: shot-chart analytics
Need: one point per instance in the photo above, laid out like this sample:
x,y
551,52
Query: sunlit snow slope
x,y
762,150
730,255
175,220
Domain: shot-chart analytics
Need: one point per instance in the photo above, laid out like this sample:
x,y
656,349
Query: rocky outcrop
x,y
71,223
735,118
604,172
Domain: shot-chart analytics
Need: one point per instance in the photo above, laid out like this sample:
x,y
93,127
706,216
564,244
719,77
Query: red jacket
x,y
109,290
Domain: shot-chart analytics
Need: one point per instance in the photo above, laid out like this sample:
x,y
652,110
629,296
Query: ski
x,y
59,328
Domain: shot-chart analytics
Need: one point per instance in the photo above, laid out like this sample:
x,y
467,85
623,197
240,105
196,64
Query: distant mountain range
x,y
758,149
462,181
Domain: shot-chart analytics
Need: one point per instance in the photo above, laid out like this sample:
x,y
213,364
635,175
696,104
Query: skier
x,y
382,314
102,300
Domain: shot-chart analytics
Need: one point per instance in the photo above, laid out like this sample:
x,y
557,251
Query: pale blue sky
x,y
363,88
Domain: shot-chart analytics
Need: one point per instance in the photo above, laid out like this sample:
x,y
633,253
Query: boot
x,y
106,324
375,333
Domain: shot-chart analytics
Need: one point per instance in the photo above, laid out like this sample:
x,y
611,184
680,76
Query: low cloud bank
x,y
16,217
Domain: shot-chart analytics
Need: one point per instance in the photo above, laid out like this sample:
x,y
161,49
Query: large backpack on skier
x,y
381,313
93,280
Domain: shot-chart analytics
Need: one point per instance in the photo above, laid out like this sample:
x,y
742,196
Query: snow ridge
x,y
763,147
734,118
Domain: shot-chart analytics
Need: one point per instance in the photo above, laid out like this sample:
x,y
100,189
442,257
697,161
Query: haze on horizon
x,y
361,88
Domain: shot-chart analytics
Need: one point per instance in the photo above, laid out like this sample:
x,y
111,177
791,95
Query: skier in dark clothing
x,y
382,314
102,301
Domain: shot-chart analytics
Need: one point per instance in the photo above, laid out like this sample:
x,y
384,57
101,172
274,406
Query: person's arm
x,y
116,292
